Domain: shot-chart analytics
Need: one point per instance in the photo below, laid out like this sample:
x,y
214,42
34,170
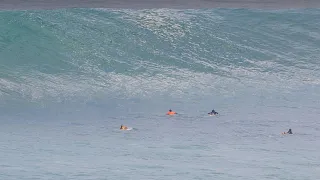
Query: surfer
x,y
213,112
122,127
289,132
170,112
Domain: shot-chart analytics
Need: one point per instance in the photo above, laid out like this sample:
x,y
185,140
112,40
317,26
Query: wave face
x,y
87,54
70,78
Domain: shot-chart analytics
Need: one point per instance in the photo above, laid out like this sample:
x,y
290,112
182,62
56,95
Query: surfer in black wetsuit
x,y
289,132
213,112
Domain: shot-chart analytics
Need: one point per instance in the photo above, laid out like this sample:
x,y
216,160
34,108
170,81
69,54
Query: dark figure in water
x,y
289,132
213,112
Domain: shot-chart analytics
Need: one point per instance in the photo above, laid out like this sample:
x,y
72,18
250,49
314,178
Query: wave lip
x,y
147,4
83,53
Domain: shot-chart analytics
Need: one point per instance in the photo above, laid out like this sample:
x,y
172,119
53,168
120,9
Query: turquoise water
x,y
69,78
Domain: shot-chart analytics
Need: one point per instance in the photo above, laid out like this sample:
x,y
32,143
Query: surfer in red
x,y
170,112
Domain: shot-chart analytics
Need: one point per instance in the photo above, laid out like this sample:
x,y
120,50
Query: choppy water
x,y
70,78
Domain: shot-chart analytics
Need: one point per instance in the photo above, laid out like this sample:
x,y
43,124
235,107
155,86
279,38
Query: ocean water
x,y
70,77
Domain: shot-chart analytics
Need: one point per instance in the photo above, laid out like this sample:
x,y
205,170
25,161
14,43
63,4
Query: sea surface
x,y
70,77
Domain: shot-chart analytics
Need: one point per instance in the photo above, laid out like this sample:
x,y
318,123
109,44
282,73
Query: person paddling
x,y
213,112
289,132
122,127
170,112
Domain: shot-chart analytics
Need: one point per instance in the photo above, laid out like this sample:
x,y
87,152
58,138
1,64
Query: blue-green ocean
x,y
70,77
